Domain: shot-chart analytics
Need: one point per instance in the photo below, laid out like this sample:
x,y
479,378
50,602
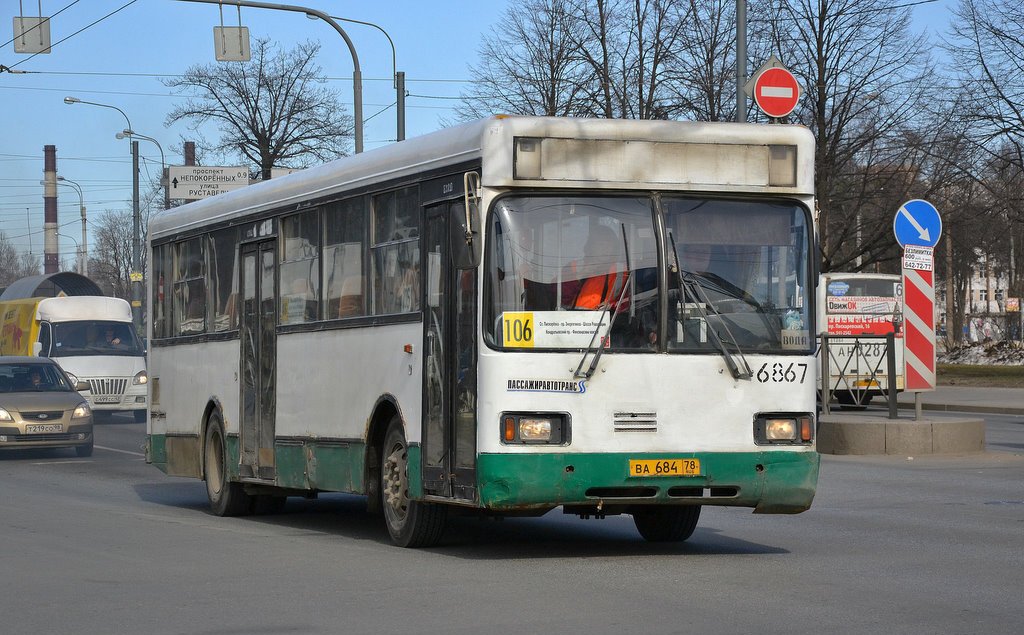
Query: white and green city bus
x,y
410,324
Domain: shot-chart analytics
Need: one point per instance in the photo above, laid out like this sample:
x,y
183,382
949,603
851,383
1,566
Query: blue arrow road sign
x,y
917,222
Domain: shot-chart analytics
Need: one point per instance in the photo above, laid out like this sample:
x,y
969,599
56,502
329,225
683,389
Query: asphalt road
x,y
891,545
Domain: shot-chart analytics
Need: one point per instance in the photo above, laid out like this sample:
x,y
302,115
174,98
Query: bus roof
x,y
660,154
71,308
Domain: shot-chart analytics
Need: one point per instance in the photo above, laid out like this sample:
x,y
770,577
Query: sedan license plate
x,y
43,428
664,467
107,399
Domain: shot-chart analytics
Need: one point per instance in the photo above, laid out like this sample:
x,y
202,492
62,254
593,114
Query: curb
x,y
950,407
872,435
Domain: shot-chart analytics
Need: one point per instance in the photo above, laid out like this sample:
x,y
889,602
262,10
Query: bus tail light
x,y
535,428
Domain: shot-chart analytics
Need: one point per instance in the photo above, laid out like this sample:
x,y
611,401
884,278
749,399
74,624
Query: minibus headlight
x,y
533,428
5,416
140,378
784,429
81,411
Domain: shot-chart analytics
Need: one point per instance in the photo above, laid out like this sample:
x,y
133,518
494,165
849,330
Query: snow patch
x,y
994,354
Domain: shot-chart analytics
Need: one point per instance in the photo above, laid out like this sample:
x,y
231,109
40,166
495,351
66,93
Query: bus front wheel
x,y
226,498
666,524
410,523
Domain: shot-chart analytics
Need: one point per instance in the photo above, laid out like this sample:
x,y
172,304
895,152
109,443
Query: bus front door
x,y
258,360
449,375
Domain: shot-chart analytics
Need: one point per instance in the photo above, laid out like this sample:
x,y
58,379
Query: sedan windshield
x,y
564,269
32,378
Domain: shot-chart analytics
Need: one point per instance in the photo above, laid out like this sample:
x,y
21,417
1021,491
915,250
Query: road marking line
x,y
103,447
60,462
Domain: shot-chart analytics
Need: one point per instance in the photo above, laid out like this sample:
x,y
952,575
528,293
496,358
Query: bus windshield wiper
x,y
687,280
612,308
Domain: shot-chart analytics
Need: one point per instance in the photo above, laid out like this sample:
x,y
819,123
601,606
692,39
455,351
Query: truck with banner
x,y
91,337
857,311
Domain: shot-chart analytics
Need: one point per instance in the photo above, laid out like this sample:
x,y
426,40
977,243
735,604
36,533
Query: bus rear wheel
x,y
226,497
666,524
410,523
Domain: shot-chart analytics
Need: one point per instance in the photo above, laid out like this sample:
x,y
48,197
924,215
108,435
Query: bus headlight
x,y
534,428
140,378
784,429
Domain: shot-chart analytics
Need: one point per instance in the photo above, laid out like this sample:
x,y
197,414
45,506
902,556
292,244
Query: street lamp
x,y
127,132
135,275
75,100
83,267
357,74
78,248
399,83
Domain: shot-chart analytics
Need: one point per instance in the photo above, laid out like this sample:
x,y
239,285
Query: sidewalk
x,y
966,399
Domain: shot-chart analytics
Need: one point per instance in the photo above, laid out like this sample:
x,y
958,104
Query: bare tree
x,y
866,79
598,58
528,65
14,265
703,67
629,46
986,44
273,110
110,263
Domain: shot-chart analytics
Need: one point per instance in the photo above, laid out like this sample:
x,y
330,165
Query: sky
x,y
115,52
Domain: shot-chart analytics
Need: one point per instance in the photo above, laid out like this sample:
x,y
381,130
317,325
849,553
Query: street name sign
x,y
193,182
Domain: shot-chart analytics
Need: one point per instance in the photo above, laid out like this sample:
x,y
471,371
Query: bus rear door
x,y
258,360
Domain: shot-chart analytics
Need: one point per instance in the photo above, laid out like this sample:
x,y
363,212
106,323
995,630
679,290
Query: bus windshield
x,y
562,268
95,337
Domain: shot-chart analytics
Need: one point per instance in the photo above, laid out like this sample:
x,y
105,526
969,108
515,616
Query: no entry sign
x,y
776,92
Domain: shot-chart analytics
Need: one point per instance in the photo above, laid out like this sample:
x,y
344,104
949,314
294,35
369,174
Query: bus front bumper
x,y
775,482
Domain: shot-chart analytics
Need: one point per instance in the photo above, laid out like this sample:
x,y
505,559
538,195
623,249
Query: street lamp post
x,y
84,264
127,132
357,74
135,275
78,248
399,82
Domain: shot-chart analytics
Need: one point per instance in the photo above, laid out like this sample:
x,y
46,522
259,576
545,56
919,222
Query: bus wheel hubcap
x,y
395,482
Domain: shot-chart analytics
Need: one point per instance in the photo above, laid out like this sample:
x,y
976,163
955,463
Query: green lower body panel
x,y
156,451
329,467
776,482
770,482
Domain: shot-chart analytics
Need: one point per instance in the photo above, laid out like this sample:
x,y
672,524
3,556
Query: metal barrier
x,y
860,375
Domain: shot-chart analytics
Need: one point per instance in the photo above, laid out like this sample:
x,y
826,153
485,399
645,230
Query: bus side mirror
x,y
37,349
464,225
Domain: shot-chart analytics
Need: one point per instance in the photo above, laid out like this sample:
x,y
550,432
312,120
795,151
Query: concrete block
x,y
955,437
844,437
909,438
